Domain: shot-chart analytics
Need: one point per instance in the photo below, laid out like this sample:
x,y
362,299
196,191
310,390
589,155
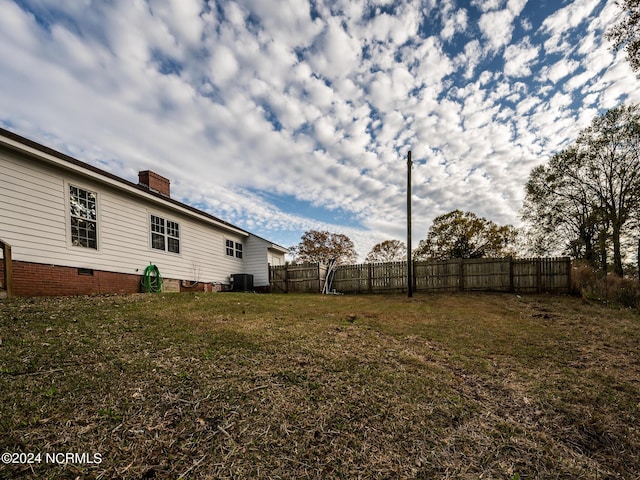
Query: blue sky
x,y
284,115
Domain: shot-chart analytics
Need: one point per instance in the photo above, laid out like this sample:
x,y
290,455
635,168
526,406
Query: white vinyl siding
x,y
275,258
35,219
258,255
32,209
256,260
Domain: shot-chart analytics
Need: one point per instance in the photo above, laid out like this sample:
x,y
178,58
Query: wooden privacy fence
x,y
303,278
520,275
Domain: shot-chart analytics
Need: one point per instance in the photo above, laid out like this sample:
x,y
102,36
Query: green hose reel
x,y
151,280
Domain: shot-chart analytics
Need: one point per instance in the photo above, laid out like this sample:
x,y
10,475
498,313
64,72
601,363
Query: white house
x,y
76,229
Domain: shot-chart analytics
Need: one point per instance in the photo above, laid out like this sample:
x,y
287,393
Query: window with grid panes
x,y
229,247
165,234
233,249
84,219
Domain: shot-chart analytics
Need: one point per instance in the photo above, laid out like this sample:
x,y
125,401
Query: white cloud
x,y
578,81
470,58
560,23
526,105
519,58
570,16
487,5
224,66
559,70
454,24
339,53
497,26
395,29
182,19
286,21
433,65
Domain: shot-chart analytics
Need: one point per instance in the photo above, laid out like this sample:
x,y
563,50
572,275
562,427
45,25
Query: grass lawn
x,y
493,386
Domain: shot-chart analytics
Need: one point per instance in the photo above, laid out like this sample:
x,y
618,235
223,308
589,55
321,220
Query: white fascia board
x,y
278,248
270,244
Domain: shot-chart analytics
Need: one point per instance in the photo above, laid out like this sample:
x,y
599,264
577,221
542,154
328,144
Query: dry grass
x,y
307,386
593,285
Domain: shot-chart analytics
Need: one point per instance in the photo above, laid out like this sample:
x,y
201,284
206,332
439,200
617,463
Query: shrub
x,y
593,285
624,291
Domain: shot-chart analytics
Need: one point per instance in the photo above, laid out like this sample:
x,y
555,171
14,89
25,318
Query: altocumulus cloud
x,y
282,116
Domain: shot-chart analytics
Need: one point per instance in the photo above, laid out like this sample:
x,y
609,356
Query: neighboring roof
x,y
279,248
24,145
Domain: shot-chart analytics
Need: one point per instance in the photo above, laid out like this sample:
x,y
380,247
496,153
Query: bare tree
x,y
322,246
387,251
611,148
562,211
590,192
627,32
460,234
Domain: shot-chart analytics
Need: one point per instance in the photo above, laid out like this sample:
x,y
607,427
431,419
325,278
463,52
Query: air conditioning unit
x,y
241,282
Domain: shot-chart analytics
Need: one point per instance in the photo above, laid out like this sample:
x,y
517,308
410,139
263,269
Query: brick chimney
x,y
154,182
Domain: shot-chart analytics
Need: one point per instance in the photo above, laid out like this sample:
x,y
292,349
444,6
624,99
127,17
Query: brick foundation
x,y
191,286
35,279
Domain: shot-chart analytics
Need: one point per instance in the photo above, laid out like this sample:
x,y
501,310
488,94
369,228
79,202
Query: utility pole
x,y
409,262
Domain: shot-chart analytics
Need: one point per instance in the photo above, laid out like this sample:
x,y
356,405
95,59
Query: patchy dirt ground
x,y
308,386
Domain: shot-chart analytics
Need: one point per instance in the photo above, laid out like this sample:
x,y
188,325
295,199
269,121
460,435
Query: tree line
x,y
454,235
587,196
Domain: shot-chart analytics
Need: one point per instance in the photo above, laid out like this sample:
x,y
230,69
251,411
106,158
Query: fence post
x,y
286,279
8,268
461,275
512,287
414,278
539,275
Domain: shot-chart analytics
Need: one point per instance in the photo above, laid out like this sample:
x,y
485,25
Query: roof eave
x,y
66,162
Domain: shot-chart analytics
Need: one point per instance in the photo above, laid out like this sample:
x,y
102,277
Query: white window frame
x,y
234,249
229,247
69,216
166,229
